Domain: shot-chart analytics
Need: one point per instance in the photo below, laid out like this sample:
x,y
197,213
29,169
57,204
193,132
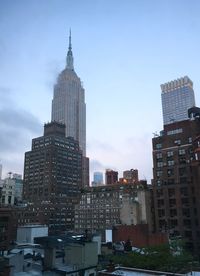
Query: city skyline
x,y
122,55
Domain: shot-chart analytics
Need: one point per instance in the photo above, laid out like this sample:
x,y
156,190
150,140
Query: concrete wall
x,y
129,212
82,255
26,234
16,261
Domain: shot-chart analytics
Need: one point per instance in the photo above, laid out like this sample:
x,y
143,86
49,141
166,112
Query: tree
x,y
160,257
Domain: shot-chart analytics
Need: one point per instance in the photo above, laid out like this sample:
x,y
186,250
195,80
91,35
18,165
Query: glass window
x,y
159,155
181,152
158,146
159,164
159,173
170,162
170,153
177,142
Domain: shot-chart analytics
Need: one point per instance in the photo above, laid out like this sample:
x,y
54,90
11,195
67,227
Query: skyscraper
x,y
177,97
111,177
131,176
97,179
53,177
68,105
176,170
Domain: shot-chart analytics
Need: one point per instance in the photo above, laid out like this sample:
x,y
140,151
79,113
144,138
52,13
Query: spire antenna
x,y
70,39
70,59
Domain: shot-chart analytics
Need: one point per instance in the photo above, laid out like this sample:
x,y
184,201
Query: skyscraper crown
x,y
70,59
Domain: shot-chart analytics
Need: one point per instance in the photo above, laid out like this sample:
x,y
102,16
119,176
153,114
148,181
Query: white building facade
x,y
177,97
68,104
11,189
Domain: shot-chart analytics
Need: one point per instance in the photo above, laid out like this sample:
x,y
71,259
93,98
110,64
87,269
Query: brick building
x,y
176,177
111,177
52,179
131,175
103,207
139,235
8,227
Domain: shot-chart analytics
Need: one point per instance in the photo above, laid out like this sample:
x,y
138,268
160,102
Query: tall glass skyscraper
x,y
68,105
177,97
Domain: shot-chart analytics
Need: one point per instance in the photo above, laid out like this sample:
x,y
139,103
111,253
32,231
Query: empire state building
x,y
68,104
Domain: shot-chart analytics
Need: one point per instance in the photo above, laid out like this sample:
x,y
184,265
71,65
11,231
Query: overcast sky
x,y
123,51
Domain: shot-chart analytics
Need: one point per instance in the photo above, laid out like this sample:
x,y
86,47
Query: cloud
x,y
95,165
18,127
133,152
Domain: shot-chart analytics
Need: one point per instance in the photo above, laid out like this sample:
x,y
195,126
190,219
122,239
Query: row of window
x,y
176,142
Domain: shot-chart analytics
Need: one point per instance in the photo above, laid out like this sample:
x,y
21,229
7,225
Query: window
x,y
172,202
159,183
159,173
171,192
159,164
182,171
174,131
171,181
170,162
9,199
159,193
158,146
160,202
170,172
177,142
184,191
181,152
186,212
162,223
173,223
185,201
161,213
187,222
188,234
170,153
173,212
183,180
159,155
182,160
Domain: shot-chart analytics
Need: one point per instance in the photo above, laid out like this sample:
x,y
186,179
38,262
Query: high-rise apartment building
x,y
111,177
177,97
176,172
68,105
131,176
53,177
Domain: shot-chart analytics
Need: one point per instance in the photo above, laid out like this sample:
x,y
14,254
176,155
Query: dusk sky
x,y
123,51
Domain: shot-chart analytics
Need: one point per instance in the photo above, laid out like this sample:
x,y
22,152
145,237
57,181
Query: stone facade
x,y
103,207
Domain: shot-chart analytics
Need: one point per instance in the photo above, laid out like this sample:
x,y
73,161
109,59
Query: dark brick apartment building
x,y
176,184
53,174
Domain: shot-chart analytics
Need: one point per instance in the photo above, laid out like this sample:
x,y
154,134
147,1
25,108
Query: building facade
x,y
68,104
8,228
111,177
97,179
176,177
131,175
53,178
103,207
177,97
11,189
